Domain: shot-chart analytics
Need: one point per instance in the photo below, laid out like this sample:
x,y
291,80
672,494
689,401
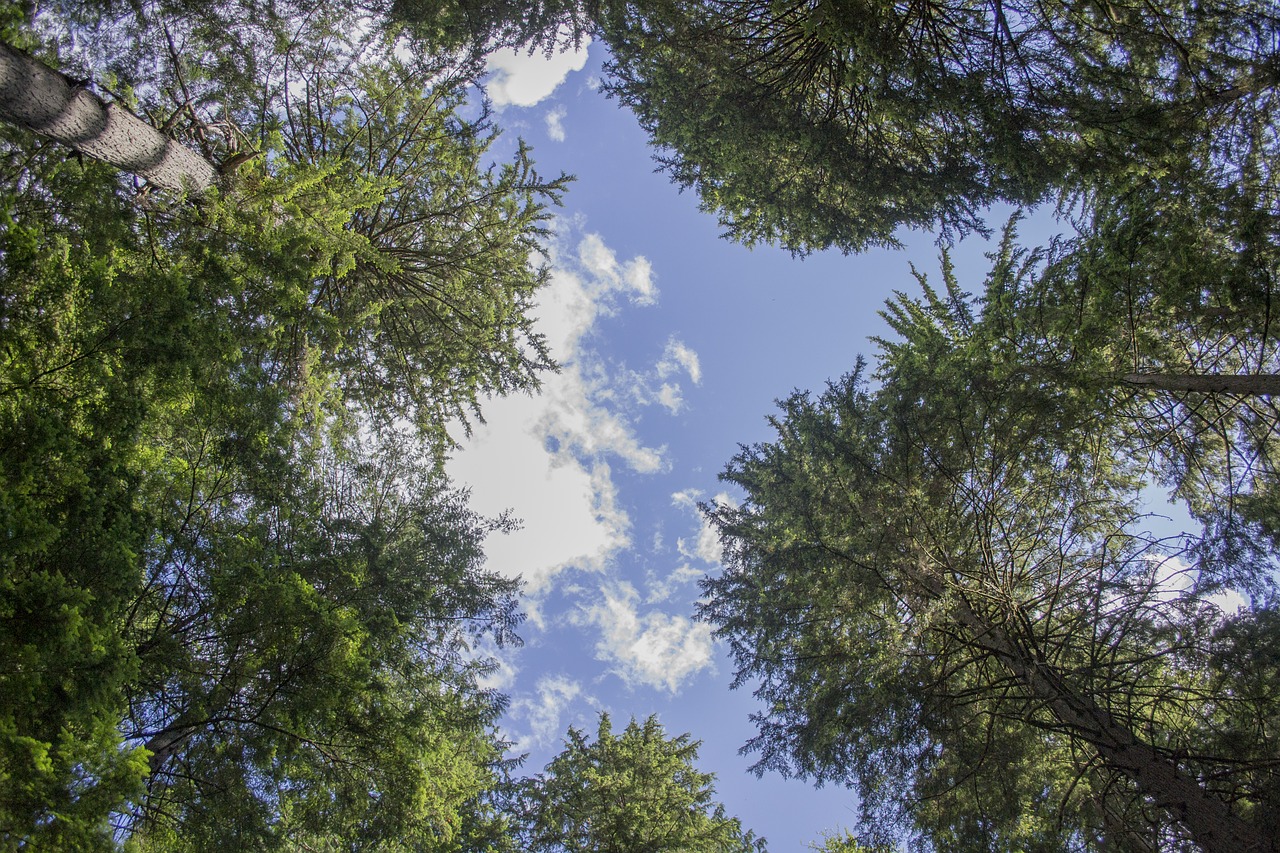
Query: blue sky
x,y
674,345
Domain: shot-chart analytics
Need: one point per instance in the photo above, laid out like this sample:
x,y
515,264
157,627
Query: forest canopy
x,y
240,597
257,262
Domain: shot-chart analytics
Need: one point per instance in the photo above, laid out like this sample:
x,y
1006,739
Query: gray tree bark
x,y
38,98
1206,818
1246,384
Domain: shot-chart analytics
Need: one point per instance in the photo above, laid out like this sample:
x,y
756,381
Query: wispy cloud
x,y
504,672
543,711
1173,577
555,122
670,397
661,589
661,384
705,544
656,649
594,430
676,357
522,78
634,277
702,548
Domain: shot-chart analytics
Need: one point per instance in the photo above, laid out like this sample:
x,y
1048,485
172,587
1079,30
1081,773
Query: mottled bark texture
x,y
1250,384
38,98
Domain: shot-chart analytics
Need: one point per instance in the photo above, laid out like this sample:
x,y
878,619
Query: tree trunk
x,y
1246,384
35,97
165,743
1206,818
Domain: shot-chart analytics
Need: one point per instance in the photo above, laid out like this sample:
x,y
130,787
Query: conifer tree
x,y
638,790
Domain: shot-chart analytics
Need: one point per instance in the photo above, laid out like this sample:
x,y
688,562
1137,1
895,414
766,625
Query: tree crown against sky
x,y
232,616
835,124
871,118
310,267
876,119
943,584
203,563
1156,312
638,790
371,168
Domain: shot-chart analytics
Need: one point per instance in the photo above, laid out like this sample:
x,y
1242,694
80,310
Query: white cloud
x,y
705,545
555,123
1173,578
522,79
635,277
593,430
568,507
503,675
547,457
583,288
670,398
678,356
687,498
654,650
639,277
543,712
1229,602
661,589
657,385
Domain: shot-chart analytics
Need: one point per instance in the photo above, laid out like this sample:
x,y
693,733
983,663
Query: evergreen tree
x,y
835,123
1158,312
943,586
237,606
841,844
304,649
637,791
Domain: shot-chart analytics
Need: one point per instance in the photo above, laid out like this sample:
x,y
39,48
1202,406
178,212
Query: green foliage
x,y
846,843
833,124
483,26
943,590
237,606
1158,286
377,244
1197,305
79,353
634,791
424,302
1246,661
239,598
305,649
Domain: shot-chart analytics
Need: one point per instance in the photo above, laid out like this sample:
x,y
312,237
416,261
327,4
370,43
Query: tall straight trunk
x,y
38,98
1206,818
1246,384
